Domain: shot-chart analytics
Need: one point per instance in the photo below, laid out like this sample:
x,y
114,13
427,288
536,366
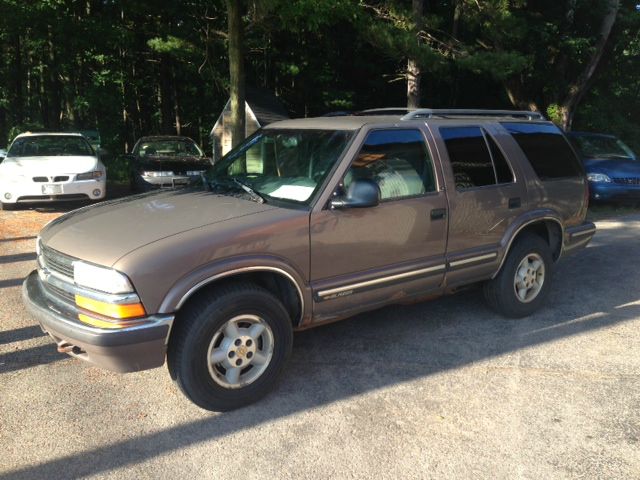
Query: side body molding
x,y
188,285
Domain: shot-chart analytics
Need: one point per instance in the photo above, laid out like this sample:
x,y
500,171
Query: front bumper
x,y
128,349
28,191
613,191
167,182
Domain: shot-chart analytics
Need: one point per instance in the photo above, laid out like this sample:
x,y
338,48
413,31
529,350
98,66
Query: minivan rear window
x,y
546,148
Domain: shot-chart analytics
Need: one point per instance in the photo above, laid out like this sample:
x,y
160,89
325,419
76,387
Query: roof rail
x,y
386,111
430,113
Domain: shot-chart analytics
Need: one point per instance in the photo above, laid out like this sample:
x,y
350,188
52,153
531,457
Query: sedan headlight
x,y
157,174
99,278
89,175
598,178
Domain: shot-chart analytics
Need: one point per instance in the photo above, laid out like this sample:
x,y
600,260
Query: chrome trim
x,y
473,259
380,280
204,282
63,283
583,232
515,234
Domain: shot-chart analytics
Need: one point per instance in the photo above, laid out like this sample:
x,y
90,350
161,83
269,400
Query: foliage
x,y
132,68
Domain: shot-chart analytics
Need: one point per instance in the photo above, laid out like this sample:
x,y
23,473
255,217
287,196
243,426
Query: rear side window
x,y
476,160
546,148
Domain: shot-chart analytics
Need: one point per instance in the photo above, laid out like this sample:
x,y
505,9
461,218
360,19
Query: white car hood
x,y
48,166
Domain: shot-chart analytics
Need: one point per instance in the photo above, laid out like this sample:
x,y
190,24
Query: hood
x,y
105,232
48,166
618,167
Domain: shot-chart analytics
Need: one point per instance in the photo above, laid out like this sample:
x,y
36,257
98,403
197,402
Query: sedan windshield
x,y
595,146
50,145
167,148
281,164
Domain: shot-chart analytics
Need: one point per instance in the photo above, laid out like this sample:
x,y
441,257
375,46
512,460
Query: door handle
x,y
515,202
438,213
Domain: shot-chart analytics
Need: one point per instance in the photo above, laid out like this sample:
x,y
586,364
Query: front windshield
x,y
50,145
168,148
592,146
283,164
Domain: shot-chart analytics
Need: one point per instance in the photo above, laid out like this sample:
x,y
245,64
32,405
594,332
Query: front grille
x,y
62,178
58,292
626,180
57,262
40,179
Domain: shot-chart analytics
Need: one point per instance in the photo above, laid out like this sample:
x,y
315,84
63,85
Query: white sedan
x,y
43,167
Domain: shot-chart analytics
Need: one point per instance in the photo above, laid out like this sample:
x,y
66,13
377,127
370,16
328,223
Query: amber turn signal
x,y
120,311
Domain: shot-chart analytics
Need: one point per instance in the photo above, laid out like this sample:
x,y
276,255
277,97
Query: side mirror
x,y
362,193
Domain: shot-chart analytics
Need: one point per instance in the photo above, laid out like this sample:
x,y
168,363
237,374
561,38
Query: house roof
x,y
265,106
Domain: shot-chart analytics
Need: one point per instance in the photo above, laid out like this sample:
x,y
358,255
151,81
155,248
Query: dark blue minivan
x,y
613,169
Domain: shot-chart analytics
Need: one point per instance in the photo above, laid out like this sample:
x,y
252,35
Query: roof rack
x,y
386,111
430,113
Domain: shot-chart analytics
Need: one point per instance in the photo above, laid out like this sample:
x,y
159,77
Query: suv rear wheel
x,y
524,281
228,350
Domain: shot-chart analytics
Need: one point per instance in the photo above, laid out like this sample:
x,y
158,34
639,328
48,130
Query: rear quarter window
x,y
546,148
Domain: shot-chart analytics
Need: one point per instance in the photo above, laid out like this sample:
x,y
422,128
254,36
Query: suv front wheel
x,y
524,281
228,349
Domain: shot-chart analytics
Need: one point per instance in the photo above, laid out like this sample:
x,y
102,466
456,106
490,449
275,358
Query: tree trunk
x,y
579,88
176,103
414,73
166,103
236,70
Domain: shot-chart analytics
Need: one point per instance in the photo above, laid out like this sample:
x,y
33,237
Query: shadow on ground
x,y
392,346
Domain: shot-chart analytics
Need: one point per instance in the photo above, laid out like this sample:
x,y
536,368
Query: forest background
x,y
136,67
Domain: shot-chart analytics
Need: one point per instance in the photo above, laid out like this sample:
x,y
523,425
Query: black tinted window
x,y
469,156
398,160
546,148
503,172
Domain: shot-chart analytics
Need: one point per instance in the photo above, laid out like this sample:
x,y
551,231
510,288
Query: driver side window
x,y
398,161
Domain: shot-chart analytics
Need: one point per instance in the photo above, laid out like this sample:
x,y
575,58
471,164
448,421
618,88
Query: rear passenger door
x,y
484,196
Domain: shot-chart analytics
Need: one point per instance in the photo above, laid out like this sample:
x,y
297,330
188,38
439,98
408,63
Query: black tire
x,y
7,206
500,292
194,330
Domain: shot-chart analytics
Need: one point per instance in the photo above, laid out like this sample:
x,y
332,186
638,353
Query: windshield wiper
x,y
255,196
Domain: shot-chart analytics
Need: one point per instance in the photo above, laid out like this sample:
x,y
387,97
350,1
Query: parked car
x,y
310,221
166,161
49,167
613,169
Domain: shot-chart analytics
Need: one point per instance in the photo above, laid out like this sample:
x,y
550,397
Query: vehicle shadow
x,y
392,346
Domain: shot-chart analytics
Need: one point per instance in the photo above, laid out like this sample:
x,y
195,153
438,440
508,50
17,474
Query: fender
x,y
521,223
186,286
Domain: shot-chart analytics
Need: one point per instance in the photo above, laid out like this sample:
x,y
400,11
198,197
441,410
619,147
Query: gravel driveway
x,y
440,389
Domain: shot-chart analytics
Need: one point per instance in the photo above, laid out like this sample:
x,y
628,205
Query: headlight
x,y
99,278
598,177
157,174
195,173
89,175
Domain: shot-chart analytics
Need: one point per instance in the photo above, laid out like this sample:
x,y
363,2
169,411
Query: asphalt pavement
x,y
445,389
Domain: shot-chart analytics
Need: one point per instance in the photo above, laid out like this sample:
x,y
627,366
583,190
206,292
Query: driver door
x,y
362,257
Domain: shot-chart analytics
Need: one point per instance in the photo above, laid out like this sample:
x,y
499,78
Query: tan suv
x,y
307,222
